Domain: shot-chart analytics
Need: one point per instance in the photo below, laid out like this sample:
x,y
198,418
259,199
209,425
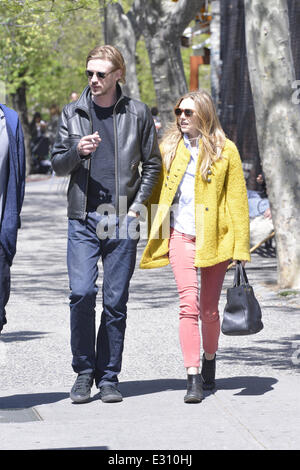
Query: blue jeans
x,y
4,286
101,356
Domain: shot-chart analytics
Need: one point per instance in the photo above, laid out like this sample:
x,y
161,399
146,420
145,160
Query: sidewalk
x,y
256,404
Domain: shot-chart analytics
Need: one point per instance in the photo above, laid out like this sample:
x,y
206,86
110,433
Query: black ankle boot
x,y
208,373
194,392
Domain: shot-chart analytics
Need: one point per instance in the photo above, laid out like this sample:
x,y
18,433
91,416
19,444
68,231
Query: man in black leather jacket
x,y
107,143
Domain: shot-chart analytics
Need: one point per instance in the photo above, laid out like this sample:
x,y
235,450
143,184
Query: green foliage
x,y
285,293
44,43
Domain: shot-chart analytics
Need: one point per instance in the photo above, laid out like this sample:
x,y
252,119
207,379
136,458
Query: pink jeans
x,y
182,255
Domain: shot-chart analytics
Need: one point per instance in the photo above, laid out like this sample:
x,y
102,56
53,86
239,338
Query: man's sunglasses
x,y
186,112
90,74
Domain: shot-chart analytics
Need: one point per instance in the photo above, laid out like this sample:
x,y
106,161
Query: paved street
x,y
256,404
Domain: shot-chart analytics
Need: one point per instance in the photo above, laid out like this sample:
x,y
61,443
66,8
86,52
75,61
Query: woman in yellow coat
x,y
200,219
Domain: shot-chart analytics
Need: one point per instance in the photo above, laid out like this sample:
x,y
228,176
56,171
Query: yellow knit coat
x,y
221,211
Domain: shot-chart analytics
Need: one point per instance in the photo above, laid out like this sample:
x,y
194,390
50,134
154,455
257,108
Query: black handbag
x,y
242,313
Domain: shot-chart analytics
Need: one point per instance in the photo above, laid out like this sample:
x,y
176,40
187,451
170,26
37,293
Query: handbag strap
x,y
240,276
236,280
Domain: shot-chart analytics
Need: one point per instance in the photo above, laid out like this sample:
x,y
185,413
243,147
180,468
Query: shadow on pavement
x,y
21,336
79,448
250,385
278,354
30,400
144,387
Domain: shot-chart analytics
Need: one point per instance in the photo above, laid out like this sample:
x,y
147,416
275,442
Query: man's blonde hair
x,y
112,54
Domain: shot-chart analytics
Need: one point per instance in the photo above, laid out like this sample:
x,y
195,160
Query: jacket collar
x,y
84,100
182,155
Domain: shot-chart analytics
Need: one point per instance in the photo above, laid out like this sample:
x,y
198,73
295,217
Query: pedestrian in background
x,y
53,123
40,145
103,139
12,184
203,181
73,96
157,121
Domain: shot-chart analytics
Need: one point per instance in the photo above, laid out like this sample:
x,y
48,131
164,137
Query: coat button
x,y
206,208
209,172
208,180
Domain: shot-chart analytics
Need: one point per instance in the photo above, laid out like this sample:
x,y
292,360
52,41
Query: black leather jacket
x,y
135,143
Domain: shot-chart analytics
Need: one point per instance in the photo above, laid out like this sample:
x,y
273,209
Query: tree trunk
x,y
163,23
19,104
103,19
215,59
121,33
272,74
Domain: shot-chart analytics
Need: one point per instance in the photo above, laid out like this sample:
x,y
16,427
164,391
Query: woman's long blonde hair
x,y
209,127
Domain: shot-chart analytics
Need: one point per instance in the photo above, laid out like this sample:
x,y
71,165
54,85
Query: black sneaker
x,y
110,394
208,373
81,390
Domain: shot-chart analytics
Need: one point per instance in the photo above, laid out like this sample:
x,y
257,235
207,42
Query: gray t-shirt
x,y
3,160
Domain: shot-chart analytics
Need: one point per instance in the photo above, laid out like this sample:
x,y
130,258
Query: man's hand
x,y
88,144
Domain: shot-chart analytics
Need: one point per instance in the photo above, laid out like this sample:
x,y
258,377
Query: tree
x,y
162,23
20,32
31,33
272,76
122,31
215,60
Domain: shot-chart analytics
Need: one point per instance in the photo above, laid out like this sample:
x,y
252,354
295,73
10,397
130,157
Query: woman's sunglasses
x,y
187,112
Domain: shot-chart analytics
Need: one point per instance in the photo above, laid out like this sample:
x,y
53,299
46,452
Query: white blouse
x,y
182,216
